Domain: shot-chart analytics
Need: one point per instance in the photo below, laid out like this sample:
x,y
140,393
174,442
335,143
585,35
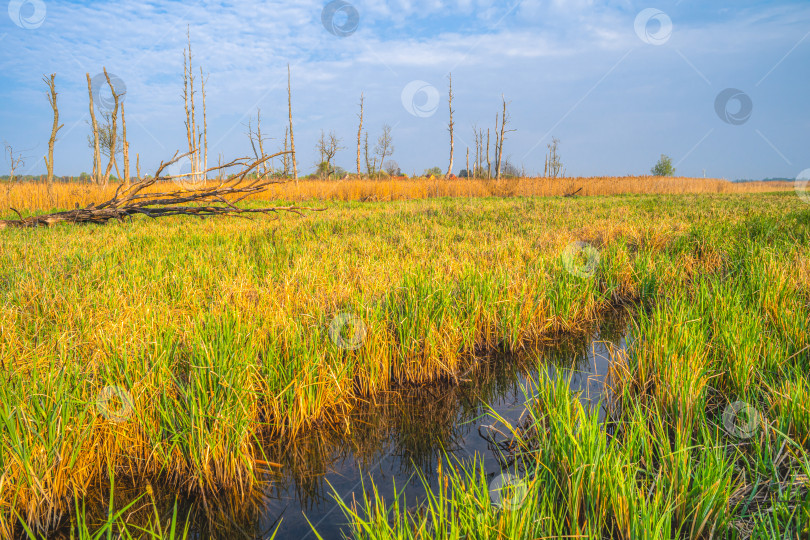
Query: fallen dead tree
x,y
193,197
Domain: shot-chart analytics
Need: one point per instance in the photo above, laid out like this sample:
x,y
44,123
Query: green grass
x,y
220,332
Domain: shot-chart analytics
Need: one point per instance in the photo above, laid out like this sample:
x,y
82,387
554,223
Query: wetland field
x,y
496,365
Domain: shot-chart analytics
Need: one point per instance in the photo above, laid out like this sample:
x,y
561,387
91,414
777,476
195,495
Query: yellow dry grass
x,y
36,197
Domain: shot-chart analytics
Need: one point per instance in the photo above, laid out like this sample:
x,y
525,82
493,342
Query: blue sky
x,y
615,91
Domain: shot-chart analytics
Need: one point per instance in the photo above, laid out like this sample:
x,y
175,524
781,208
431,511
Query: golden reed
x,y
36,197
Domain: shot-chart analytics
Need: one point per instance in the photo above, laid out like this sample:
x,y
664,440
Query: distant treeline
x,y
766,180
83,177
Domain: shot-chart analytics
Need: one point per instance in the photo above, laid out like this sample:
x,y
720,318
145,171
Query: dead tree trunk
x,y
113,129
195,155
359,134
452,142
468,163
369,170
480,153
14,161
56,127
475,159
124,145
497,141
205,124
96,140
189,133
292,137
489,165
261,142
501,138
285,159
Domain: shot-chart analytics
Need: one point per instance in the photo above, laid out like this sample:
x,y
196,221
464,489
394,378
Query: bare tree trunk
x,y
189,134
452,142
96,140
261,143
113,130
56,127
195,156
138,166
13,162
125,144
504,121
499,136
369,170
292,137
480,162
489,165
468,163
285,158
205,124
497,142
475,159
321,148
359,134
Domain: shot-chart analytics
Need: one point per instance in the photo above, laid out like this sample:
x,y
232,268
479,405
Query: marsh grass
x,y
722,320
218,331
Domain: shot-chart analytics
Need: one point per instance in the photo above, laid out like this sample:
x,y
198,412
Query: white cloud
x,y
554,48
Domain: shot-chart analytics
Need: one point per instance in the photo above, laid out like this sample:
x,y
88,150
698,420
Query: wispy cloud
x,y
544,55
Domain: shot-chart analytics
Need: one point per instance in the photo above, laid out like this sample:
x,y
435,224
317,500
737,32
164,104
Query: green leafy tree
x,y
663,167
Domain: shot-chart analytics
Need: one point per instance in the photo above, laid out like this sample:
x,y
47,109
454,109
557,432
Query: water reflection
x,y
390,438
396,435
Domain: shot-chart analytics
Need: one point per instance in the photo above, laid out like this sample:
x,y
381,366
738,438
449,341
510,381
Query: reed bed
x,y
36,196
165,350
708,436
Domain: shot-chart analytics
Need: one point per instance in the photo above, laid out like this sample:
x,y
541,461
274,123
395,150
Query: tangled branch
x,y
209,199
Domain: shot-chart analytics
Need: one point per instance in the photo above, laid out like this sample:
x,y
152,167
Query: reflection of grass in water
x,y
414,425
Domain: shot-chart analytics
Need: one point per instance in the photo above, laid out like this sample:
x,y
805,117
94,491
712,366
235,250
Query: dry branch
x,y
217,199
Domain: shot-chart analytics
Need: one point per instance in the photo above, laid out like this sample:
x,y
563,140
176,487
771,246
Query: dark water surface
x,y
389,440
405,433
